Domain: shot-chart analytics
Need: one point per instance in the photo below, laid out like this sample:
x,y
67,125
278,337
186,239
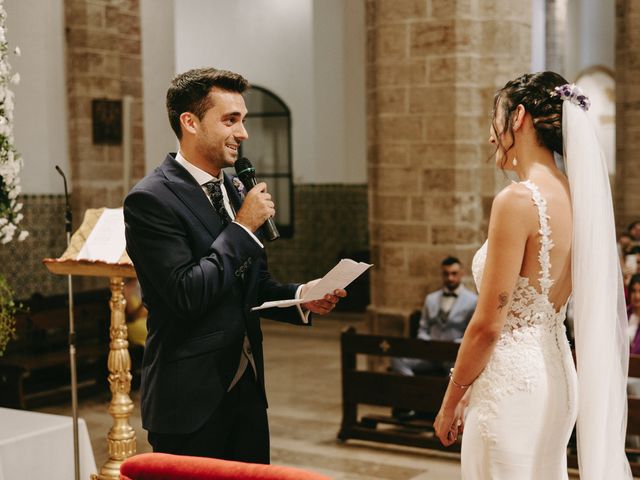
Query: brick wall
x,y
432,69
103,62
103,49
627,112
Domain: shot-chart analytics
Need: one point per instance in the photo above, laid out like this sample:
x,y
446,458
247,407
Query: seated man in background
x,y
445,316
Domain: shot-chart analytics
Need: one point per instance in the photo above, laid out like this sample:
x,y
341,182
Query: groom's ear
x,y
189,122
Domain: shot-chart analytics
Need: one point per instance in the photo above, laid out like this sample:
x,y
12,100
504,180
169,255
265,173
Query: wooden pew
x,y
35,368
420,393
423,393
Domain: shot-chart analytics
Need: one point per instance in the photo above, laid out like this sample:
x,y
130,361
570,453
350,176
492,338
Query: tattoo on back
x,y
503,299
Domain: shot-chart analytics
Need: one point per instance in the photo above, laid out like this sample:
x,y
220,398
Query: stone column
x,y
432,69
556,35
103,62
627,112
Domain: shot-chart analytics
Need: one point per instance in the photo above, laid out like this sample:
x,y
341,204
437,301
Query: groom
x,y
201,265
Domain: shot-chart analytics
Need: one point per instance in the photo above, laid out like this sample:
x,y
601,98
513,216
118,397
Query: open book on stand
x,y
345,272
97,248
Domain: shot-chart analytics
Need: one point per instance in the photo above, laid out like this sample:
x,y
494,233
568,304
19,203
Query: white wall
x,y
538,33
308,52
339,75
41,134
591,30
158,68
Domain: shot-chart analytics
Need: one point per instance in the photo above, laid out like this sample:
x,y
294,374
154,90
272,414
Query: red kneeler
x,y
162,466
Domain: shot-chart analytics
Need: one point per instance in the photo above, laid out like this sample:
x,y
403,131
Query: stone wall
x,y
556,35
103,62
627,112
432,69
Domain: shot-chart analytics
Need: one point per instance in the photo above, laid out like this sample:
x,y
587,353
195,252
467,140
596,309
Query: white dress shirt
x,y
447,301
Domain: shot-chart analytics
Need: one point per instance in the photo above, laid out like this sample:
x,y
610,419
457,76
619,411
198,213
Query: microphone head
x,y
244,168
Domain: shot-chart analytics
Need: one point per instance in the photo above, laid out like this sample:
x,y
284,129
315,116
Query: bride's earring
x,y
514,162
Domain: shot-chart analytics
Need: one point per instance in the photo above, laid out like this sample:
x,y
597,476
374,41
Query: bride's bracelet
x,y
456,384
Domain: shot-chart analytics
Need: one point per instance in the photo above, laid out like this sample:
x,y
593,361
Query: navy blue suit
x,y
199,281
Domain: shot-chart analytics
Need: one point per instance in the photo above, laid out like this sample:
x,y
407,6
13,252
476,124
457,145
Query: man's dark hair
x,y
632,225
189,92
450,261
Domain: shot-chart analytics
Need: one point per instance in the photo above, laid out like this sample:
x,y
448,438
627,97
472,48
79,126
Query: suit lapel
x,y
184,186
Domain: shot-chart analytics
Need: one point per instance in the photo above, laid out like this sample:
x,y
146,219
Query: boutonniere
x,y
239,187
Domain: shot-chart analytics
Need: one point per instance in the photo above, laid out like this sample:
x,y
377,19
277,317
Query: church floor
x,y
303,383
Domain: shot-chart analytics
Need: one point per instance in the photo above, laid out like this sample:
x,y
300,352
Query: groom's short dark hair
x,y
189,92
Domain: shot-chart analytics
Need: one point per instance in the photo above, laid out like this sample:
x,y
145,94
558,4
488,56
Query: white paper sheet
x,y
106,241
345,272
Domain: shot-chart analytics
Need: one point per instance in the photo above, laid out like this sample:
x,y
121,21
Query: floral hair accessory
x,y
239,186
572,93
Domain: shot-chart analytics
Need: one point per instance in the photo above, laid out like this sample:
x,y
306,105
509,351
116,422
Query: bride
x,y
514,389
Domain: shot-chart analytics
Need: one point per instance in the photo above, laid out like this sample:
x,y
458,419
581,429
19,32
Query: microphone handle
x,y
269,227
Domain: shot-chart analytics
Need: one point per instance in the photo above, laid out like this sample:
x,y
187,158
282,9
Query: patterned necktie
x,y
215,194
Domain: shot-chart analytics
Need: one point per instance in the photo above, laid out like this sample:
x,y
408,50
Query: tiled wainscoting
x,y
330,222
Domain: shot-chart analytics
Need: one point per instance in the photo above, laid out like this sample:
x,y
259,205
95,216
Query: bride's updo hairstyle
x,y
534,92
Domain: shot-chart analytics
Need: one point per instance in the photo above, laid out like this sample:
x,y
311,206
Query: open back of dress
x,y
524,404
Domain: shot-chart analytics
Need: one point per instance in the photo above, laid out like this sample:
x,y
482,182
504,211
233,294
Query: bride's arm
x,y
509,227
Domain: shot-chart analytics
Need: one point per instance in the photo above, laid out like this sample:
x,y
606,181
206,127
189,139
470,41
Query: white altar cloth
x,y
37,446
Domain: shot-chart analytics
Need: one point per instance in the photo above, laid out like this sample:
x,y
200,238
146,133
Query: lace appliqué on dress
x,y
530,342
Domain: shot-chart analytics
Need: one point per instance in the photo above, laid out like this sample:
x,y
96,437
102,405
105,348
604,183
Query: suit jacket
x,y
199,282
458,317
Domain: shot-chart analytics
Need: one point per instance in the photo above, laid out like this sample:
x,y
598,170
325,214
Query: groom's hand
x,y
256,208
324,305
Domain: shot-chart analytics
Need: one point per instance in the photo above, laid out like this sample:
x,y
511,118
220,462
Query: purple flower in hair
x,y
572,93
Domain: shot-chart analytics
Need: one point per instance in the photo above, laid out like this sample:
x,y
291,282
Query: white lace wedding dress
x,y
523,406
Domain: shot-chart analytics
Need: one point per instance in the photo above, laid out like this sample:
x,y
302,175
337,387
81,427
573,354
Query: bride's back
x,y
554,190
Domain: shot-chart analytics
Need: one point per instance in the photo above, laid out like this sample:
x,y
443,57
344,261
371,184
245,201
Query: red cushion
x,y
162,466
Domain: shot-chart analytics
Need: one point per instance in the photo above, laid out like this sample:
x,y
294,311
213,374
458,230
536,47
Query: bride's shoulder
x,y
511,211
513,198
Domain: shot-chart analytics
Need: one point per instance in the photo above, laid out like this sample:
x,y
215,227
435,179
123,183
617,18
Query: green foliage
x,y
8,310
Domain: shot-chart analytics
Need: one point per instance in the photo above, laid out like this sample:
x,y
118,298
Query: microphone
x,y
67,215
247,175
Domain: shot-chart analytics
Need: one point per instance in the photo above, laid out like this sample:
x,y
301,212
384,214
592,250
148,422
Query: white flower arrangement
x,y
10,165
10,159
